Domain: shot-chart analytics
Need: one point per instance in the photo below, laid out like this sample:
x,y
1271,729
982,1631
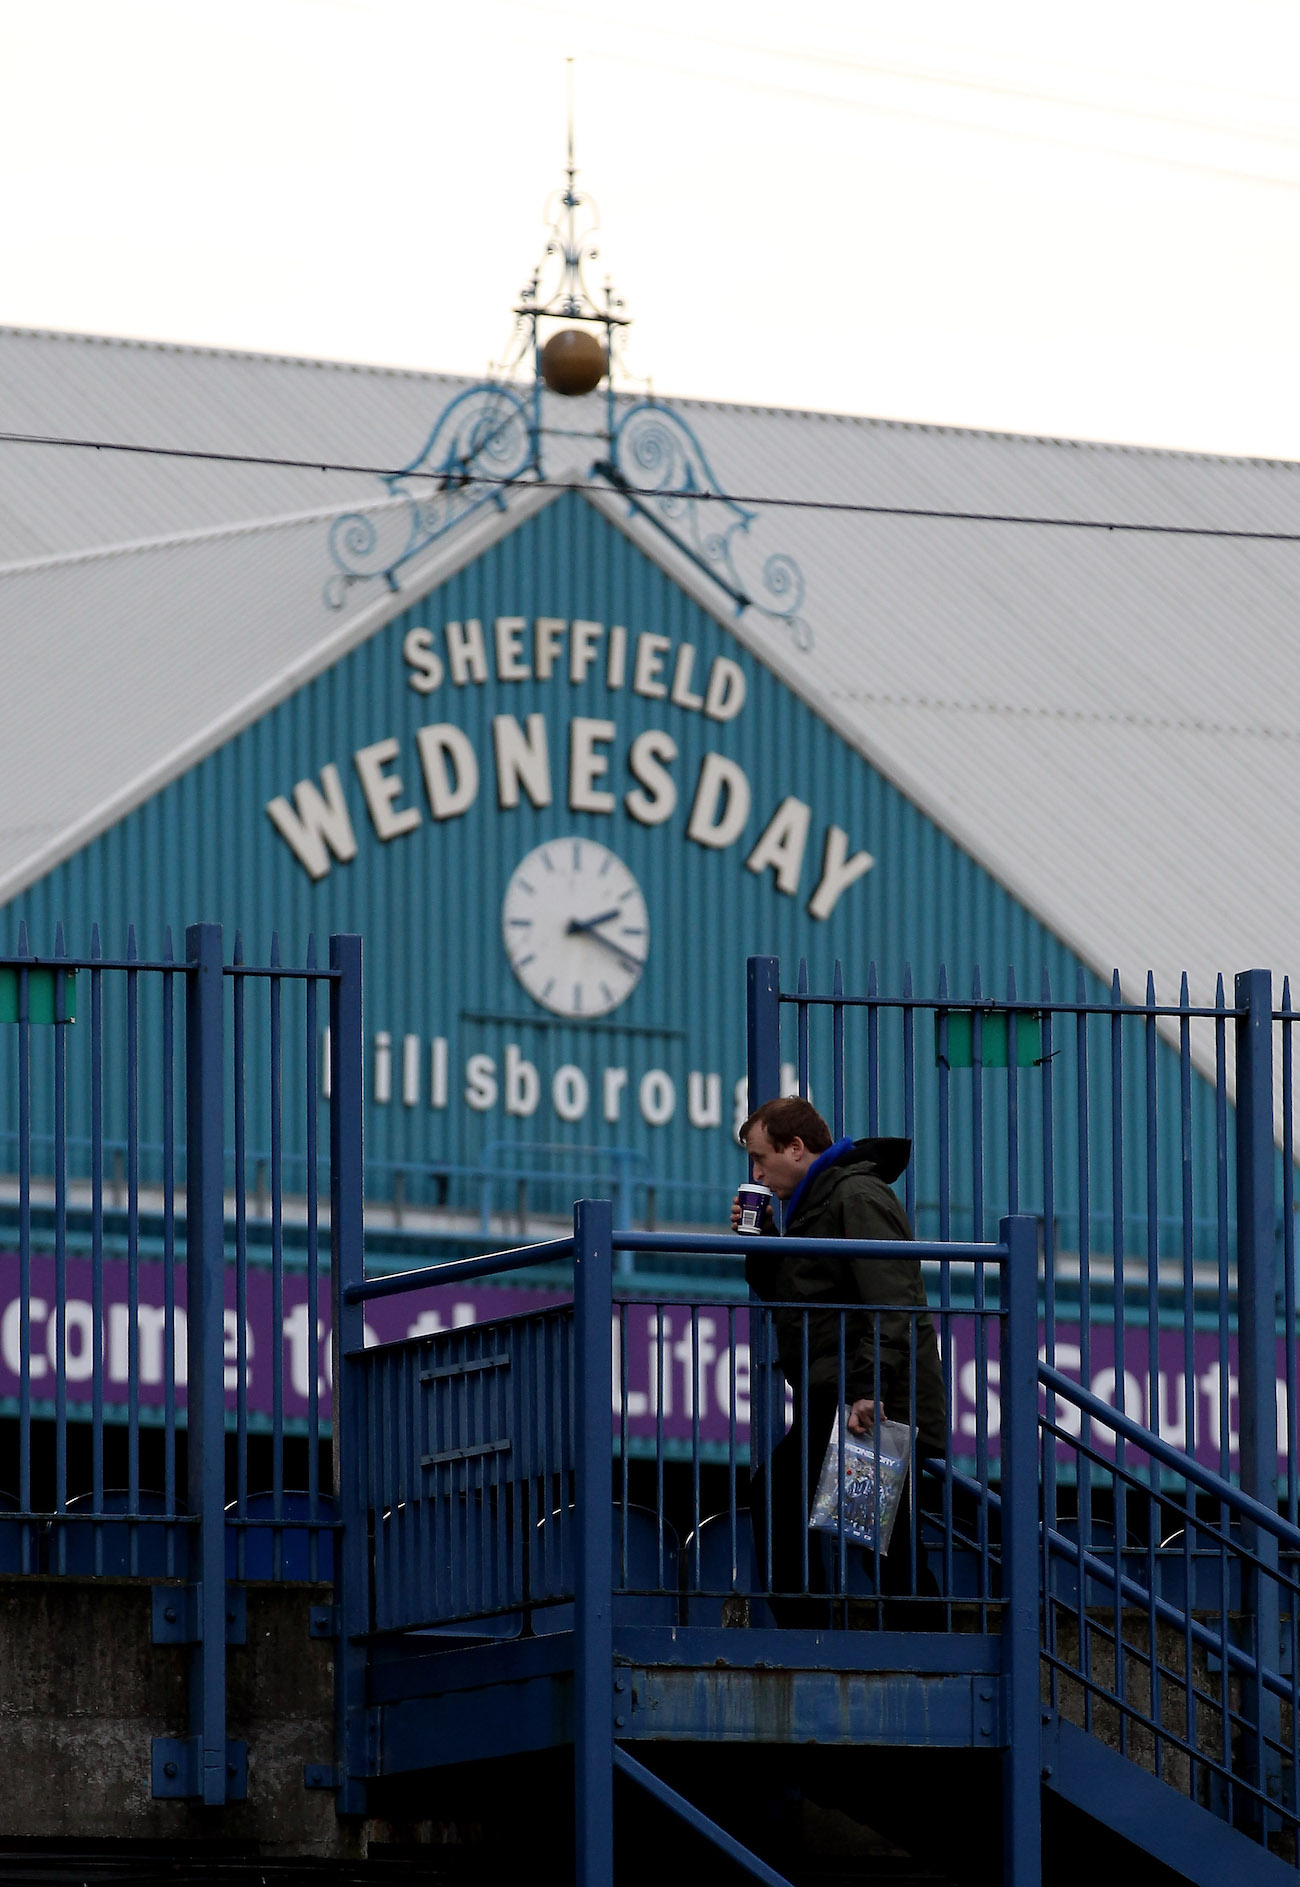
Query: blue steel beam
x,y
205,1764
727,1844
1021,1795
594,1646
347,1236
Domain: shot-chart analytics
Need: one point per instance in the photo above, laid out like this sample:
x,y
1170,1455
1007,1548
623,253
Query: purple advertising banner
x,y
684,1367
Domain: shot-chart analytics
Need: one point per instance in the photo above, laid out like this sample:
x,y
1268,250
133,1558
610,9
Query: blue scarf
x,y
823,1160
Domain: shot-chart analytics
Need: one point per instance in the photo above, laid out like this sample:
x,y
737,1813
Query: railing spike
x,y
60,949
132,948
275,949
238,956
23,950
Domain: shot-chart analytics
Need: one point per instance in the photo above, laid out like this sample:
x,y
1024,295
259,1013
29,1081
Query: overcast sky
x,y
1045,218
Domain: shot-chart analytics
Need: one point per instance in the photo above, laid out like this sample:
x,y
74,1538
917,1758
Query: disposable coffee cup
x,y
753,1204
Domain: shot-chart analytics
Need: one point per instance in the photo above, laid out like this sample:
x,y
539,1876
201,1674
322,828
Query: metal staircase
x,y
1112,1626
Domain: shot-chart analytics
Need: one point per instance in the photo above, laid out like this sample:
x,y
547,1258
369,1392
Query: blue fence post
x,y
347,1338
763,1050
1022,1759
593,1739
205,1395
1257,1341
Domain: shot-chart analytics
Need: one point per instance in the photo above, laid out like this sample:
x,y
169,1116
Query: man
x,y
891,1366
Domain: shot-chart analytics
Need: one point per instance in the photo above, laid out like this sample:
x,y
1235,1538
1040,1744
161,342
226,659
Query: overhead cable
x,y
843,506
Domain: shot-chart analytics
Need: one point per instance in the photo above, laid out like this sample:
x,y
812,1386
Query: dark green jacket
x,y
849,1197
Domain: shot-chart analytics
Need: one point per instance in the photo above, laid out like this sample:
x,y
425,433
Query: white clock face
x,y
576,928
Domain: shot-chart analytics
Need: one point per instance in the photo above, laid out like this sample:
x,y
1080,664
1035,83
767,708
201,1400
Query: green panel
x,y
43,994
954,1039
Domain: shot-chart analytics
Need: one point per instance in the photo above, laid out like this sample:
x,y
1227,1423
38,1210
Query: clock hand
x,y
589,923
625,957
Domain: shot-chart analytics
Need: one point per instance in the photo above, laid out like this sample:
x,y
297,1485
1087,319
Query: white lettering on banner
x,y
569,1092
704,1099
442,747
11,1339
636,1402
725,696
438,1071
418,654
612,1086
721,807
740,1109
683,695
410,1070
548,640
650,652
839,871
465,652
522,760
781,844
383,1067
480,1083
317,823
583,637
301,1351
523,1084
659,800
382,789
587,765
658,1097
511,665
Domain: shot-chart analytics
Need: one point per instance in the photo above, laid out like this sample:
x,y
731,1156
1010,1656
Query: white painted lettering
x,y
658,801
725,695
583,637
326,1082
569,1092
657,1096
968,1381
548,640
586,765
381,789
839,871
302,1351
704,1099
612,1090
438,1071
650,652
480,1083
78,1339
616,667
637,1401
410,1070
781,844
522,760
523,1084
740,1108
450,769
684,696
721,803
316,821
418,654
511,664
466,654
383,1067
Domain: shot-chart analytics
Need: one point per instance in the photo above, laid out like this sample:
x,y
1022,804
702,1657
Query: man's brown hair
x,y
789,1119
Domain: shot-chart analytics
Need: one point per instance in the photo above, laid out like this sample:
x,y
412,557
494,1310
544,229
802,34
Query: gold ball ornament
x,y
573,362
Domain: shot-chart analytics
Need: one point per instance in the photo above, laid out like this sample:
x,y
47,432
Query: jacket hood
x,y
887,1157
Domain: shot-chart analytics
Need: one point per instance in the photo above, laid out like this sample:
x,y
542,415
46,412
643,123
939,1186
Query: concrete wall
x,y
84,1691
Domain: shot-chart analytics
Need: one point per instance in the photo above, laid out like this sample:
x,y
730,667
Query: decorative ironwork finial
x,y
491,438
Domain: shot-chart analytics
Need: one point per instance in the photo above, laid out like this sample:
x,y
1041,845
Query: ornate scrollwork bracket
x,y
660,468
484,441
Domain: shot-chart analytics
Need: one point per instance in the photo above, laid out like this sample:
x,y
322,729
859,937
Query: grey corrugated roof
x,y
1108,723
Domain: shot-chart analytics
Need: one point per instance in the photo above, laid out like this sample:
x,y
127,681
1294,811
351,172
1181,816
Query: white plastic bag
x,y
867,1511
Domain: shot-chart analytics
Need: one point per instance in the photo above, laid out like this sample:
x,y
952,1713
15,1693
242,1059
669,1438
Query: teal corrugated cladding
x,y
428,905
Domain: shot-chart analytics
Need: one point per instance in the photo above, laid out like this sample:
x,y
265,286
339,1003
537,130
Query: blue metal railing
x,y
158,1357
477,1465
